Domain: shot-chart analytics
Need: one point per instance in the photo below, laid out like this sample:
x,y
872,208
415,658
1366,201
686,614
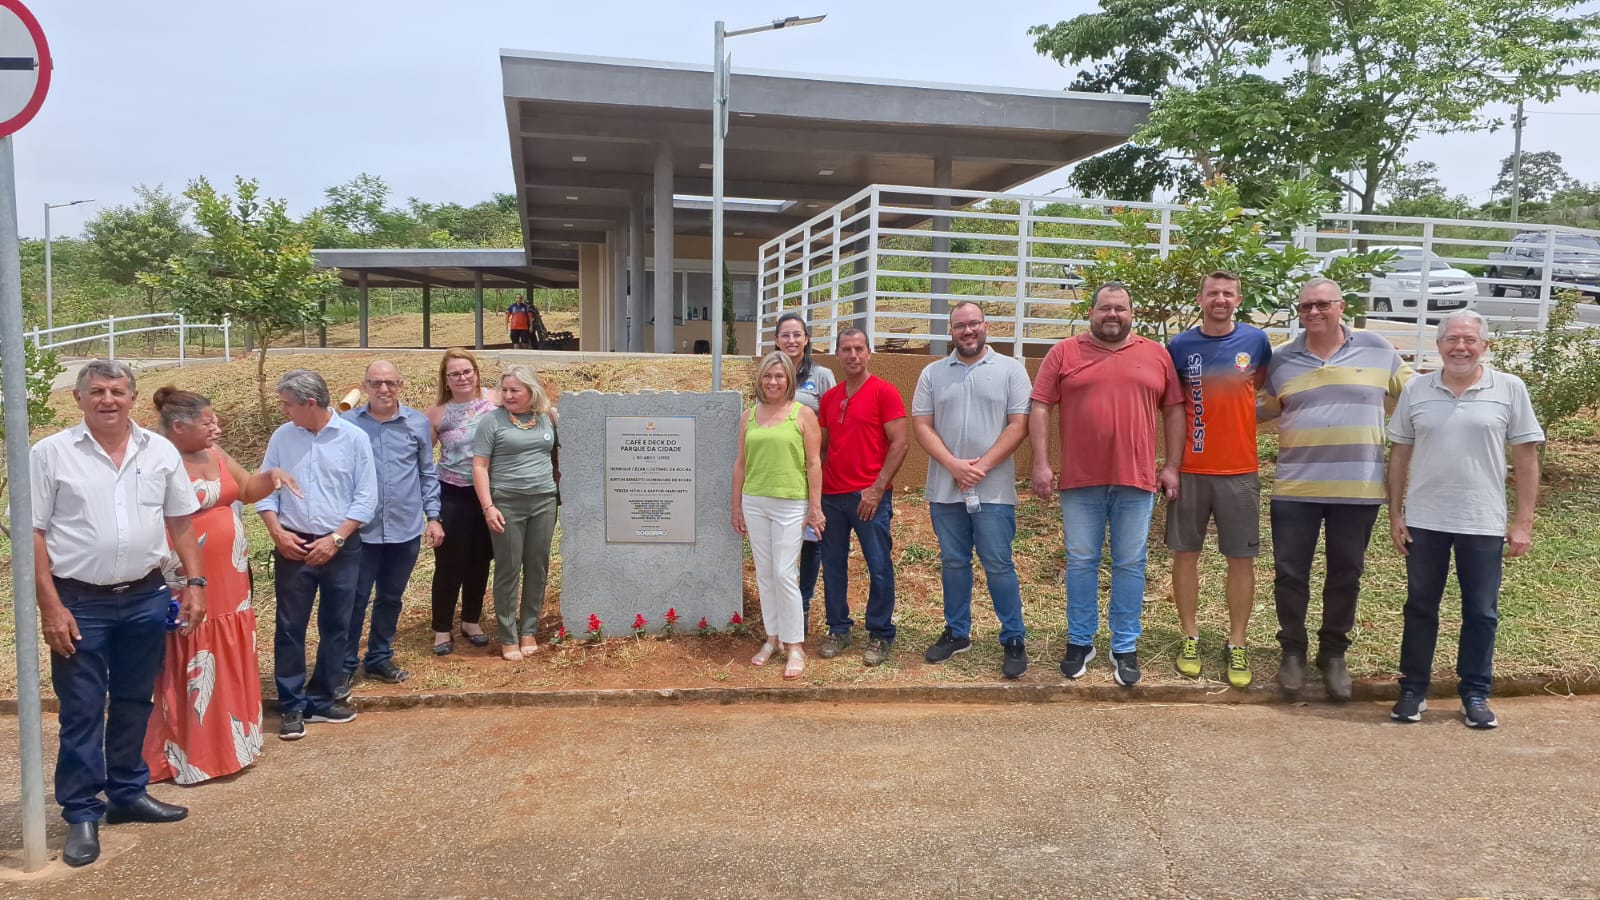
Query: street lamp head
x,y
798,20
71,203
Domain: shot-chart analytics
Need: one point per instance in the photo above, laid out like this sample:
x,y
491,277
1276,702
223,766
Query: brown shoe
x,y
1336,678
1292,672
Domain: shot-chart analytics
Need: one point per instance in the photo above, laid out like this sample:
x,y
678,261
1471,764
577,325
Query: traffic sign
x,y
24,66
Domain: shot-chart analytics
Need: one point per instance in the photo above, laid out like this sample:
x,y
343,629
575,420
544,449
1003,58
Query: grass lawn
x,y
1548,607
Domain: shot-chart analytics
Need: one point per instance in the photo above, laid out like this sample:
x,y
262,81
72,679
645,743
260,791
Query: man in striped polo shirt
x,y
1328,385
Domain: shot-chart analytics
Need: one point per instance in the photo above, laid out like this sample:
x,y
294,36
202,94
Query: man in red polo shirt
x,y
864,441
1111,385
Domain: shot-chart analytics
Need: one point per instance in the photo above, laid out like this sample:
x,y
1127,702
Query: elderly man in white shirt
x,y
106,495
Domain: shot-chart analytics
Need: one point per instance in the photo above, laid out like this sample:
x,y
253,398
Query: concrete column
x,y
664,331
361,305
427,315
618,239
636,310
942,171
477,310
593,273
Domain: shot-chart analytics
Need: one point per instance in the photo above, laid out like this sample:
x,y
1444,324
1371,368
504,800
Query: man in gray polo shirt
x,y
970,413
1448,465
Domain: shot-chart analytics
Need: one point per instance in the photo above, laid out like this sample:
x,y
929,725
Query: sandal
x,y
477,640
442,644
764,654
796,665
528,646
510,653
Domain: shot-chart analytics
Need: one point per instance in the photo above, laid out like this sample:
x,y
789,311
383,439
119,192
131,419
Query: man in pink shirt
x,y
1111,385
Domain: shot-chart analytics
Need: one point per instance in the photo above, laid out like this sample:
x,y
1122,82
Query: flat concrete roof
x,y
584,132
449,267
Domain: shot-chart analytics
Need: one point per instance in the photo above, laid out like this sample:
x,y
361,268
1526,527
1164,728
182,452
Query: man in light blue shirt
x,y
408,516
316,545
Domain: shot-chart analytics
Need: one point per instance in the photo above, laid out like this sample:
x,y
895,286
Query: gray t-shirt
x,y
519,459
969,405
1457,481
816,383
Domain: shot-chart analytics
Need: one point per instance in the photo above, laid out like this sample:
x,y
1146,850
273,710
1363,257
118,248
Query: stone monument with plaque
x,y
646,489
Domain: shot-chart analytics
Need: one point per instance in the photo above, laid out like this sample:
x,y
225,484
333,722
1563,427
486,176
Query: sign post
x,y
24,79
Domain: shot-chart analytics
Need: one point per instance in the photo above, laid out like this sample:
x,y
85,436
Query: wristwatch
x,y
195,582
338,542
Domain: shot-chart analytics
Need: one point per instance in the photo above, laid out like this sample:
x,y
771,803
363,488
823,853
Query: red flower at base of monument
x,y
703,628
597,630
560,636
671,622
736,623
639,625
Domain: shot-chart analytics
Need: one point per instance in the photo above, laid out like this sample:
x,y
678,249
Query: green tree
x,y
1217,232
1242,101
43,367
1543,176
127,240
1559,363
253,264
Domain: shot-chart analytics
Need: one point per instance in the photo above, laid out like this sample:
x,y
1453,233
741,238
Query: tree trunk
x,y
262,341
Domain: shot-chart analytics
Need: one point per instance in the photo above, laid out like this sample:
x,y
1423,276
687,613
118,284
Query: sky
x,y
304,95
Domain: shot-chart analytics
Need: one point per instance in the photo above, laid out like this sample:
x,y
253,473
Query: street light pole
x,y
49,292
1516,163
719,134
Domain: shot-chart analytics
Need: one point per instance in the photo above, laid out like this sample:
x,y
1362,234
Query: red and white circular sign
x,y
24,66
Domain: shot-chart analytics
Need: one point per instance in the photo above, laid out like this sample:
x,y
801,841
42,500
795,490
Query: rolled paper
x,y
349,401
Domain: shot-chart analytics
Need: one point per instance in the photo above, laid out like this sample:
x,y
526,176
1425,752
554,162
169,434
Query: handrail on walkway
x,y
176,322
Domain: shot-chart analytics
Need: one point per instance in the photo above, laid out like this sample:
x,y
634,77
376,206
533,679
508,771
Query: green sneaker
x,y
1238,666
835,645
1189,658
877,652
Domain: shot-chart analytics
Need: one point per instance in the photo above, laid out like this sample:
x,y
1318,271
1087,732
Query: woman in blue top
x,y
811,381
777,491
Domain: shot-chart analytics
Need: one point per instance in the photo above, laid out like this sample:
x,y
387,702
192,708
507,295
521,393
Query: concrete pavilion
x,y
612,163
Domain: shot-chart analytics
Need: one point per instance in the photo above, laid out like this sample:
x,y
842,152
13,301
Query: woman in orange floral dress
x,y
207,717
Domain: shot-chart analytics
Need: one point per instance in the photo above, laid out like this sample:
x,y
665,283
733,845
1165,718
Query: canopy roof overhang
x,y
450,268
585,134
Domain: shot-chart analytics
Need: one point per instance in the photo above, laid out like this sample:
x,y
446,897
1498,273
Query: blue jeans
x,y
1478,563
876,548
990,531
386,567
118,657
297,585
1085,513
810,565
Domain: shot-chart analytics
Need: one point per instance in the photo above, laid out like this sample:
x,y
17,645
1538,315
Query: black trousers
x,y
1295,529
461,563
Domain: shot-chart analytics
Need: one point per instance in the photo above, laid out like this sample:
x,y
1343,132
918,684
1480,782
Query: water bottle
x,y
174,615
970,495
810,534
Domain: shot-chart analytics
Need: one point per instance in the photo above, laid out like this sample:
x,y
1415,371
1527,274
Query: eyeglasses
x,y
1466,340
1318,305
965,326
383,384
460,375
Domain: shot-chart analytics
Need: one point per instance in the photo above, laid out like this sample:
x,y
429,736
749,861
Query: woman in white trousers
x,y
777,492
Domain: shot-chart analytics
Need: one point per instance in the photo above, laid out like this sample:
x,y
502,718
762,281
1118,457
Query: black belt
x,y
150,580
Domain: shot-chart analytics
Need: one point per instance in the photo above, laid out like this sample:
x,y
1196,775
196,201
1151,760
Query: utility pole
x,y
1516,162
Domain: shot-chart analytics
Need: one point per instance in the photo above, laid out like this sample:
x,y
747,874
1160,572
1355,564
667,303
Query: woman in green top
x,y
777,492
516,464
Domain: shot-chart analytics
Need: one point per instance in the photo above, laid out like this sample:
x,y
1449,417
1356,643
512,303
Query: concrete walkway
x,y
880,800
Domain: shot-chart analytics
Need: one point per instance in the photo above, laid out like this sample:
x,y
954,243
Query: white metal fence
x,y
88,337
891,260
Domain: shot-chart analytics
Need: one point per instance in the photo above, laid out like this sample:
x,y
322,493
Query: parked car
x,y
1395,293
1576,263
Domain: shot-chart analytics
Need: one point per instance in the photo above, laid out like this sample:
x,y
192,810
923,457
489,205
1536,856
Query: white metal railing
x,y
890,260
111,328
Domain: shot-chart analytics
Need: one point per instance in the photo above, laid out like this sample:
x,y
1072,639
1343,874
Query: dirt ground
x,y
878,800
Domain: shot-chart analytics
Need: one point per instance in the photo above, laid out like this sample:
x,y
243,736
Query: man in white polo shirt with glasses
x,y
1447,471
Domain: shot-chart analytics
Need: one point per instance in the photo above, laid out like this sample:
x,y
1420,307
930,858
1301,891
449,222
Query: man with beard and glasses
x,y
1447,491
1328,385
1112,385
970,413
1221,363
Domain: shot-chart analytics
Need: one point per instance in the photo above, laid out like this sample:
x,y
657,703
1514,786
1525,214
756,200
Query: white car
x,y
1395,294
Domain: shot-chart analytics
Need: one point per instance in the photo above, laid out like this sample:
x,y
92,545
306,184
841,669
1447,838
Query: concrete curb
x,y
1000,693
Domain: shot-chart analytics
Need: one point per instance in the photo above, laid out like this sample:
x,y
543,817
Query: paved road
x,y
1052,800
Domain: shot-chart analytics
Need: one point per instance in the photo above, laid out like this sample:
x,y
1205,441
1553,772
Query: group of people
x,y
144,581
817,461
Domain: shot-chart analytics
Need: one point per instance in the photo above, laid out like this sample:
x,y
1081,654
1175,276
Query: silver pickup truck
x,y
1574,258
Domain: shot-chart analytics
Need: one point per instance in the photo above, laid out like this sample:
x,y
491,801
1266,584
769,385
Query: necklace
x,y
525,426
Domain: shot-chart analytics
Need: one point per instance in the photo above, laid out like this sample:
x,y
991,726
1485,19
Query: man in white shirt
x,y
1447,469
106,494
